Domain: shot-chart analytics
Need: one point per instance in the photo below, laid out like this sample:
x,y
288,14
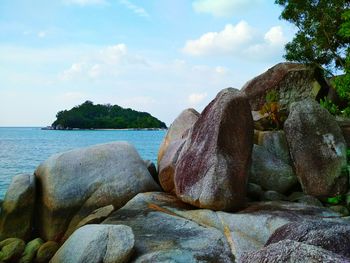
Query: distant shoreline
x,y
126,129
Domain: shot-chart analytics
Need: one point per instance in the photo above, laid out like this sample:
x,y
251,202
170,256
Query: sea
x,y
23,149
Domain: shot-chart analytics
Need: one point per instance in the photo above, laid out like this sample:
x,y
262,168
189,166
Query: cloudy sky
x,y
159,56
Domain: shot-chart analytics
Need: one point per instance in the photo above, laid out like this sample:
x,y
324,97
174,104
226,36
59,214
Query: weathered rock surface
x,y
30,250
16,218
275,142
181,124
95,217
271,172
11,249
168,164
293,82
332,236
75,183
213,166
292,251
46,252
189,234
97,243
318,149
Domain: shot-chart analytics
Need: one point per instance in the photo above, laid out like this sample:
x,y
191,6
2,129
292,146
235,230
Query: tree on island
x,y
322,40
91,116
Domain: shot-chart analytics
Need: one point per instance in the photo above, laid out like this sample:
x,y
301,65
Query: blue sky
x,y
159,56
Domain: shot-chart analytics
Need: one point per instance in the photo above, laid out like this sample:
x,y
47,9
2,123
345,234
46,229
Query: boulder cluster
x,y
226,189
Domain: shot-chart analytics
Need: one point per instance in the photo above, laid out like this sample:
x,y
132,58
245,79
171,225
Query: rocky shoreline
x,y
228,187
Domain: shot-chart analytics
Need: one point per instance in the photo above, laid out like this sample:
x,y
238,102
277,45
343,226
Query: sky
x,y
158,56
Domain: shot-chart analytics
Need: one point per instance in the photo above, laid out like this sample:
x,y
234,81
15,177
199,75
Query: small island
x,y
104,116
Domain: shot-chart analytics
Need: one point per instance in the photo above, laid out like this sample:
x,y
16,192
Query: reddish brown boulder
x,y
292,251
332,236
293,82
177,129
318,149
213,166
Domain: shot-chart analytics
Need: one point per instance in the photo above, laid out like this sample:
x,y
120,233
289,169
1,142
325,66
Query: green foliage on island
x,y
91,116
323,40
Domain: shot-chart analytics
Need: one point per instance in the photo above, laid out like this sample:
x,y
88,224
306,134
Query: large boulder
x,y
292,251
188,234
213,166
75,183
293,82
97,243
16,218
181,124
332,236
318,149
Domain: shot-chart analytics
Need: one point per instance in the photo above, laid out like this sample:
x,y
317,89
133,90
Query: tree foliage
x,y
90,116
318,40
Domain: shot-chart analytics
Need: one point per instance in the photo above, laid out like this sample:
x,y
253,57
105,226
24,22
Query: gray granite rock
x,y
97,243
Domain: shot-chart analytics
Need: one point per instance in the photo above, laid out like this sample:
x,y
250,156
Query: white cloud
x,y
85,2
229,40
221,70
196,98
224,8
109,61
275,36
134,8
240,40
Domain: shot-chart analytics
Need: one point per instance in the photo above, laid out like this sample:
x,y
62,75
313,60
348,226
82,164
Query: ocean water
x,y
23,149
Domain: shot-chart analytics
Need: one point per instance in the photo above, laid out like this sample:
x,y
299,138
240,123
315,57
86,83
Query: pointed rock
x,y
213,166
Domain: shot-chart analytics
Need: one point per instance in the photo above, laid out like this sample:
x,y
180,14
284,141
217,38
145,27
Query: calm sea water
x,y
23,149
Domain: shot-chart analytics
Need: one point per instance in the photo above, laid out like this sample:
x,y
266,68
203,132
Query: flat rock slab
x,y
168,229
161,235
